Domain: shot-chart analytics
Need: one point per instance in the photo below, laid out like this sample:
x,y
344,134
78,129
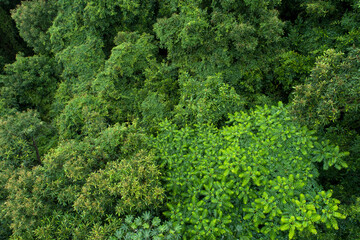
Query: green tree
x,y
84,115
78,19
33,19
331,90
83,188
23,139
239,39
125,73
30,82
23,205
10,41
208,101
80,65
253,179
127,186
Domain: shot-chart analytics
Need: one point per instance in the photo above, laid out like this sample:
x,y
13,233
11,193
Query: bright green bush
x,y
254,179
146,227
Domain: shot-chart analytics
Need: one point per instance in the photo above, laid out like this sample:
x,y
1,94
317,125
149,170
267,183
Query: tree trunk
x,y
36,150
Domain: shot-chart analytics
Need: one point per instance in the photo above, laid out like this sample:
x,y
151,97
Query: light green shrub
x,y
254,179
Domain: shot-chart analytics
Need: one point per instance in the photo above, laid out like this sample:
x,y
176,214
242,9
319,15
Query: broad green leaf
x,y
291,232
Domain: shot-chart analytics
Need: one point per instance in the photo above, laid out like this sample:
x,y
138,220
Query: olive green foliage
x,y
88,182
129,185
253,179
6,172
33,19
74,162
84,115
331,90
63,225
23,139
23,205
146,227
34,213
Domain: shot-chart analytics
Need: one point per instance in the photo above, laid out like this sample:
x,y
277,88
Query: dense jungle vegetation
x,y
179,119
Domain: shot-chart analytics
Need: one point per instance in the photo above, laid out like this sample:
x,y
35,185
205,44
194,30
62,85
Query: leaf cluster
x,y
146,227
331,90
252,179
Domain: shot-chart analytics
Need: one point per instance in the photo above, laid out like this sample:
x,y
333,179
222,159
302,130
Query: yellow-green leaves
x,y
130,185
292,232
339,215
246,168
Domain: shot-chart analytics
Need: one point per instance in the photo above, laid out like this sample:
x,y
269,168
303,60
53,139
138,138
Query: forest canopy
x,y
180,119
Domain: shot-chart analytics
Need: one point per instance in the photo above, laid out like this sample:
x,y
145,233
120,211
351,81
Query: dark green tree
x,y
130,64
23,139
84,115
208,101
33,19
10,41
30,82
239,39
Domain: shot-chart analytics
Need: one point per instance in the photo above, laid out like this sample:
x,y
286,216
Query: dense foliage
x,y
252,179
145,228
112,112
